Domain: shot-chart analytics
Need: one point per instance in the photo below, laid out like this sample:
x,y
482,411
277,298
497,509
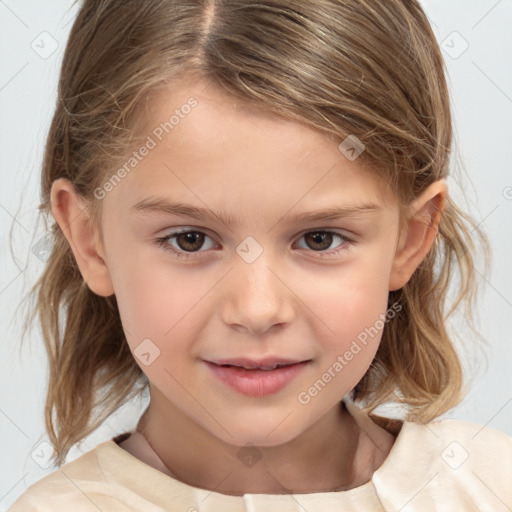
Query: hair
x,y
345,67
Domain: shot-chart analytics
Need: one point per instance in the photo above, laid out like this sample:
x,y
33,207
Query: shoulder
x,y
79,485
462,441
448,462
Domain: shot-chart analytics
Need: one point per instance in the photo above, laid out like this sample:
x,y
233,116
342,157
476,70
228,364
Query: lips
x,y
268,363
260,367
257,378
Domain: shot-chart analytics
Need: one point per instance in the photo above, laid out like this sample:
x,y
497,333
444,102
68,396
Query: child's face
x,y
259,285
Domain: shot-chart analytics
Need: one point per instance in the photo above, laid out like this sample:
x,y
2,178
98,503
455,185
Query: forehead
x,y
207,145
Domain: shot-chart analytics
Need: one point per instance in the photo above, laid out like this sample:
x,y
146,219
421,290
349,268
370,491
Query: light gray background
x,y
481,86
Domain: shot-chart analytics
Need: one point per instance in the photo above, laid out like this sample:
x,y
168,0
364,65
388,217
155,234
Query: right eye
x,y
186,242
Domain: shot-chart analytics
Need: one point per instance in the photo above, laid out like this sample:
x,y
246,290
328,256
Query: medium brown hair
x,y
347,67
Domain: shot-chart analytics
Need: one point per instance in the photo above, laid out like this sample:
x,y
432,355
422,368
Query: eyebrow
x,y
163,207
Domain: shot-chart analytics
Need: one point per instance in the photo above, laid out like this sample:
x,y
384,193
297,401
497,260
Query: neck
x,y
337,453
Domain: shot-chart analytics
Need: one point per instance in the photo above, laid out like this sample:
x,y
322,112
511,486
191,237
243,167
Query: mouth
x,y
267,364
257,379
262,368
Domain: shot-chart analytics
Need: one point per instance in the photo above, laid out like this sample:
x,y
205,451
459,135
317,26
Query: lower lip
x,y
257,382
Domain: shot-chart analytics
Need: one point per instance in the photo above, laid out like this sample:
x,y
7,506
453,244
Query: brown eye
x,y
186,244
190,241
319,240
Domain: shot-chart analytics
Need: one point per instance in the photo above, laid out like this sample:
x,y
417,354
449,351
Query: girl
x,y
253,222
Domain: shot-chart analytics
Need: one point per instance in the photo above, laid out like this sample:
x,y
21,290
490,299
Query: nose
x,y
256,297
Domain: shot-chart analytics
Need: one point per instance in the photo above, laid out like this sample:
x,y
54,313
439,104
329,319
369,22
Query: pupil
x,y
190,241
318,238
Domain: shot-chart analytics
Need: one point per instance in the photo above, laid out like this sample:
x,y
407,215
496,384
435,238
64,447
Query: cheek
x,y
351,306
159,319
159,302
353,295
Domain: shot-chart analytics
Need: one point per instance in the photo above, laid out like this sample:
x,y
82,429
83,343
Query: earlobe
x,y
70,212
419,233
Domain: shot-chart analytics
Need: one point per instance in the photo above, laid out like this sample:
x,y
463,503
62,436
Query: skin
x,y
293,301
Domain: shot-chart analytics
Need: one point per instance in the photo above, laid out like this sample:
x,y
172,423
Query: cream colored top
x,y
446,465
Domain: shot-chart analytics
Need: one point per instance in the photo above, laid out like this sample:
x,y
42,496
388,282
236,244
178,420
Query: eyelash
x,y
163,243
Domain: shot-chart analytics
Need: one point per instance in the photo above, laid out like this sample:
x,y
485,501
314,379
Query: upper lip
x,y
266,362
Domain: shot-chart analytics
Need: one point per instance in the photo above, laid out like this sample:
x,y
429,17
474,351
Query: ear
x,y
419,233
70,212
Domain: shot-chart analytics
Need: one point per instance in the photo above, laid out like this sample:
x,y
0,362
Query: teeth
x,y
266,368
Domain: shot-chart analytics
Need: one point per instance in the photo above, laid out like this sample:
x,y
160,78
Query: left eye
x,y
322,238
187,242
